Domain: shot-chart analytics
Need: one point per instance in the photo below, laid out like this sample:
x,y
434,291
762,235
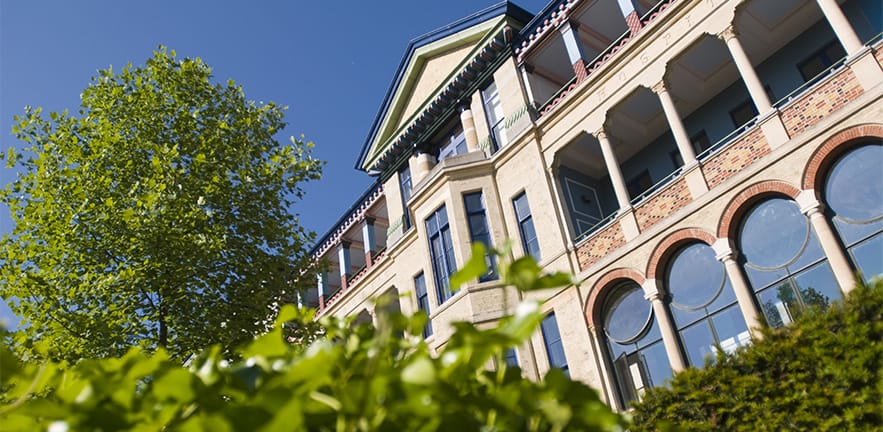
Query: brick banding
x,y
819,103
600,244
827,153
735,157
741,202
603,285
662,204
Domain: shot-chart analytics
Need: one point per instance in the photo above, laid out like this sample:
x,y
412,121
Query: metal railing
x,y
660,185
597,227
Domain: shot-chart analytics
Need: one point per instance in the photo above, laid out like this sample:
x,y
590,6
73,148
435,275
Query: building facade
x,y
702,166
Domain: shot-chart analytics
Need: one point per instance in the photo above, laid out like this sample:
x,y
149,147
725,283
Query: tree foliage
x,y
822,372
356,378
157,216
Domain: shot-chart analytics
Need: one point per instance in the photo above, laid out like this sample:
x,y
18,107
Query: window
x,y
493,110
743,113
552,340
634,342
529,240
784,261
441,250
639,184
511,357
700,143
478,230
452,143
855,200
820,60
703,304
423,302
405,187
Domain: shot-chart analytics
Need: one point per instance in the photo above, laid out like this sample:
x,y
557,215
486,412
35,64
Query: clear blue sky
x,y
331,63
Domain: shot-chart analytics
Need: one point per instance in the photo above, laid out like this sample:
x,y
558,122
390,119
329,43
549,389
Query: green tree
x,y
157,216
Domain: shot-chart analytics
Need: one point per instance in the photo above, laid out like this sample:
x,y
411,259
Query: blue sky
x,y
331,63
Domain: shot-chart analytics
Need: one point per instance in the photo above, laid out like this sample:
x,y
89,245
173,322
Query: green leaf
x,y
475,267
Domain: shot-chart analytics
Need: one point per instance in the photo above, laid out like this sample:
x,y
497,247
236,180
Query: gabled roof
x,y
431,62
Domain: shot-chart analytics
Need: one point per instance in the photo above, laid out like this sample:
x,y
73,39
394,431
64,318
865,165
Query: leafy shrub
x,y
823,372
354,378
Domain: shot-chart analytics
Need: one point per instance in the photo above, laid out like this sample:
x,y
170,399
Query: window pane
x,y
552,339
817,286
779,304
698,342
521,208
773,233
732,332
696,277
656,361
869,256
848,191
628,315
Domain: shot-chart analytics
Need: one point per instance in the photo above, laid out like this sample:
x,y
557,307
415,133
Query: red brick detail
x,y
878,54
633,21
599,245
820,102
321,302
671,243
735,157
369,259
579,68
661,204
593,306
832,149
742,201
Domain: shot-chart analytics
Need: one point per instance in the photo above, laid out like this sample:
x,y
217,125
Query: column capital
x,y
728,33
527,67
722,250
651,291
660,87
809,204
465,105
600,134
343,244
367,220
568,24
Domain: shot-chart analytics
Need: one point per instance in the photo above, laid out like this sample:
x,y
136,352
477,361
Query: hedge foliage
x,y
353,378
822,372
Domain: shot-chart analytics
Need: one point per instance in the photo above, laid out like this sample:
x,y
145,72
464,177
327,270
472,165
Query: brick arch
x,y
669,245
603,285
834,147
743,200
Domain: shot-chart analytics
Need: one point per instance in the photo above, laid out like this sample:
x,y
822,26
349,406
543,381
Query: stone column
x,y
468,124
746,71
425,162
526,70
574,48
666,327
744,293
619,187
322,288
844,31
343,258
812,208
675,124
368,238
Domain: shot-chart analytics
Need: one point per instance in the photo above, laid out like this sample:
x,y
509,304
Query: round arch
x,y
664,250
750,195
834,147
602,286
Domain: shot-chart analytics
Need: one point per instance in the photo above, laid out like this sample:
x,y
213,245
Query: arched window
x,y
784,262
634,342
854,194
703,304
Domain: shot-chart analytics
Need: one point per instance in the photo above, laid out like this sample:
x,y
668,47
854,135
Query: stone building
x,y
702,166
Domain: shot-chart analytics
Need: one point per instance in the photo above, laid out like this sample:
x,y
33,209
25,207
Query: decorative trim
x,y
354,216
831,150
603,285
742,201
671,243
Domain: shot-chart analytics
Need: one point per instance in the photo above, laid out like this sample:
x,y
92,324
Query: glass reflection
x,y
854,196
784,261
634,342
703,304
